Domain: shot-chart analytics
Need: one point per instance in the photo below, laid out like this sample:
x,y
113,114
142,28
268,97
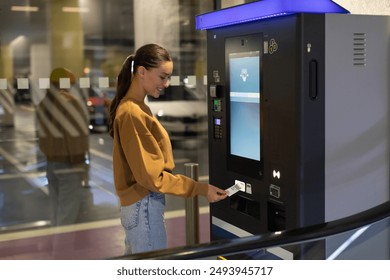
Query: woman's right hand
x,y
215,194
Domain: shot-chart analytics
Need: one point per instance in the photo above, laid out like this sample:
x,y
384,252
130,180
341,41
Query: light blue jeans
x,y
144,224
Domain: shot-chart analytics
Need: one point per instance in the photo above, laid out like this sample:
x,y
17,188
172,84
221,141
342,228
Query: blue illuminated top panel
x,y
264,9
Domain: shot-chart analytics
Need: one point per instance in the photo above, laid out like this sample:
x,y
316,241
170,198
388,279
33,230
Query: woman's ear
x,y
141,71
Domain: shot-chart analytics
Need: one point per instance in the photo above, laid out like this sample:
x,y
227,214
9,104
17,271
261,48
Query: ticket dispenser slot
x,y
245,206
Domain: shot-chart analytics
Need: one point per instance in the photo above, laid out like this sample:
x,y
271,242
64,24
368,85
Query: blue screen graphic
x,y
244,73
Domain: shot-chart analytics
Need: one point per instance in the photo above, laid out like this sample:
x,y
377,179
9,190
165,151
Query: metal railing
x,y
268,240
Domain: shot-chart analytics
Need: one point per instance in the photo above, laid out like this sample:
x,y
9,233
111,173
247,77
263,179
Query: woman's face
x,y
157,79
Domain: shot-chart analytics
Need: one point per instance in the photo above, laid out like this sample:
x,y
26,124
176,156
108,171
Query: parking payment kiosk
x,y
298,100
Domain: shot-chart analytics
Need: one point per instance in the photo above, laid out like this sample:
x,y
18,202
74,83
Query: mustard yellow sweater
x,y
142,157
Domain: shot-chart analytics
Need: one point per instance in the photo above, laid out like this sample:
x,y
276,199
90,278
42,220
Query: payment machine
x,y
298,102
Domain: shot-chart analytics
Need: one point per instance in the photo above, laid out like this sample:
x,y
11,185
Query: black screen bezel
x,y
244,44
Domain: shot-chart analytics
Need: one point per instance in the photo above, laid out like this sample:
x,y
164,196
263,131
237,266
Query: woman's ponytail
x,y
123,84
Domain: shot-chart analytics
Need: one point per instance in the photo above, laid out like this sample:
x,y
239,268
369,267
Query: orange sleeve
x,y
145,157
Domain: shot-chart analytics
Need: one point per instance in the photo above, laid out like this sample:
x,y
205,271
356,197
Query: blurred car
x,y
21,95
98,101
179,109
182,112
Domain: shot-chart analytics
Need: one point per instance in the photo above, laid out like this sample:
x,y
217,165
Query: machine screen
x,y
244,72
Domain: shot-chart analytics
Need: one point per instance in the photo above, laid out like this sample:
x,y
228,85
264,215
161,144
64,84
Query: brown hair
x,y
148,56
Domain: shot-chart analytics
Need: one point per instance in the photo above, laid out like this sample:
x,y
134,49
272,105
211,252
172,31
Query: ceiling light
x,y
75,10
24,9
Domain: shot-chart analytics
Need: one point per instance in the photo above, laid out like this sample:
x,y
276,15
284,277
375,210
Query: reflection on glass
x,y
63,138
55,153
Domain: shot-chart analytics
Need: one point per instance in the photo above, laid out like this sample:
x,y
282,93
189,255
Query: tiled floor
x,y
91,241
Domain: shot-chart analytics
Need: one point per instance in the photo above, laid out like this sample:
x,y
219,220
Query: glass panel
x,y
371,242
91,38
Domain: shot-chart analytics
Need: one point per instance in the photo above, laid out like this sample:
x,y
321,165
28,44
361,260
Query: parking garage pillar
x,y
67,36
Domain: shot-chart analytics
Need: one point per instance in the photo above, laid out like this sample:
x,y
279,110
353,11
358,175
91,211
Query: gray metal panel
x,y
356,114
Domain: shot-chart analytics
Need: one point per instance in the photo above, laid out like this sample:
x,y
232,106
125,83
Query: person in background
x,y
142,153
63,138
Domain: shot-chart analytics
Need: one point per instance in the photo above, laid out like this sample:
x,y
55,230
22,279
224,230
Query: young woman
x,y
142,152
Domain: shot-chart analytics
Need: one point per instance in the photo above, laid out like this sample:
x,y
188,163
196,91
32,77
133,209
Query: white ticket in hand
x,y
238,186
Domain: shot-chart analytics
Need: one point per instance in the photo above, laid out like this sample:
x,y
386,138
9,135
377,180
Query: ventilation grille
x,y
359,49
